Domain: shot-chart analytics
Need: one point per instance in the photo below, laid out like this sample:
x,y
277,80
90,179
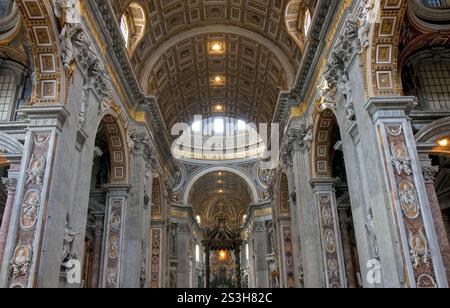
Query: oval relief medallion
x,y
30,209
408,200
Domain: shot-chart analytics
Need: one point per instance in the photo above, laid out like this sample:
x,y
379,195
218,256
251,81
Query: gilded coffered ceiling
x,y
174,59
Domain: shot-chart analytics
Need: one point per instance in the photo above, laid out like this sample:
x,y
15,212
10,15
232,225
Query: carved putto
x,y
400,159
36,169
420,254
111,281
69,238
21,262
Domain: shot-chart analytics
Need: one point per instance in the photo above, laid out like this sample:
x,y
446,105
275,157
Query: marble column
x,y
295,155
261,266
428,173
97,252
10,184
344,221
332,253
116,205
411,221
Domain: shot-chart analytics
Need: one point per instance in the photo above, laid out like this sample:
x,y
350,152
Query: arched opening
x,y
436,170
426,75
220,201
220,194
441,164
133,24
15,89
329,163
298,20
109,168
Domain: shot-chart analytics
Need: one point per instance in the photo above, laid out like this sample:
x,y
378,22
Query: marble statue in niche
x,y
69,238
371,230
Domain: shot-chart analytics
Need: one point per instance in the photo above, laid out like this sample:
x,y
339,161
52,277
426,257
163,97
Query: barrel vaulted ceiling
x,y
173,60
220,194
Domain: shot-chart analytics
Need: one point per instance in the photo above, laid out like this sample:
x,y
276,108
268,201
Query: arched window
x,y
7,94
15,89
132,25
5,7
427,76
436,3
124,29
298,20
219,139
307,21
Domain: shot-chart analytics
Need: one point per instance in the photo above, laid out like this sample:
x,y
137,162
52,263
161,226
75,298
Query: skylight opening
x,y
308,21
124,30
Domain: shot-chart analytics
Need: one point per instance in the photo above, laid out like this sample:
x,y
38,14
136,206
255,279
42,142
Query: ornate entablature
x,y
322,17
111,32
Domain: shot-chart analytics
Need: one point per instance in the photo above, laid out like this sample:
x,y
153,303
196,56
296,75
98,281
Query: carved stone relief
x,y
155,274
288,256
421,262
114,243
30,211
329,241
